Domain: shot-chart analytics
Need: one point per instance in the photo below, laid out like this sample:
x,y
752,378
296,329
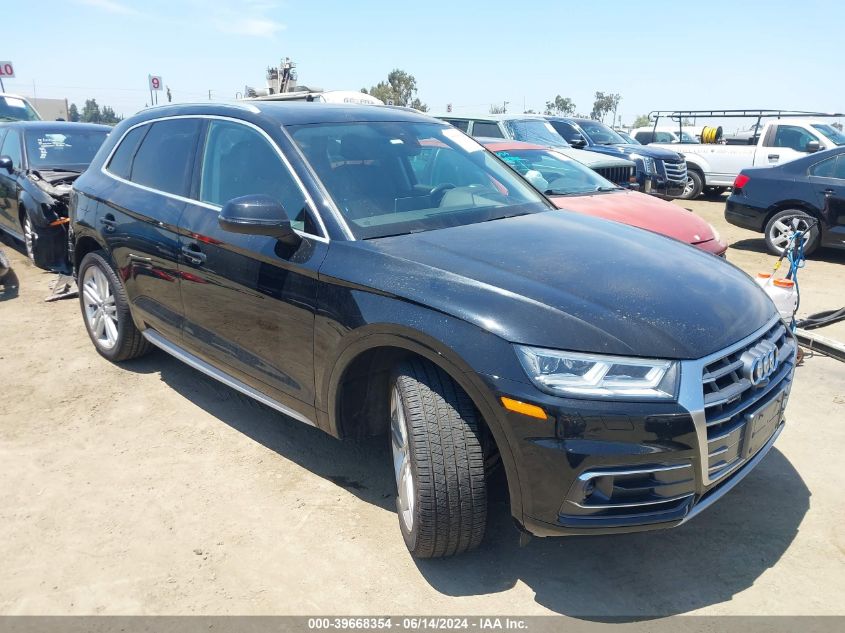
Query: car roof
x,y
490,117
498,144
53,125
290,113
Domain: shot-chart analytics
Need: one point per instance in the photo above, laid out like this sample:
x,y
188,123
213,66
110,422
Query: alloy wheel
x,y
782,231
401,460
29,237
689,187
100,308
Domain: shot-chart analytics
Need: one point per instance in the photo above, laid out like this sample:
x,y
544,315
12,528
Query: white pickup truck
x,y
715,166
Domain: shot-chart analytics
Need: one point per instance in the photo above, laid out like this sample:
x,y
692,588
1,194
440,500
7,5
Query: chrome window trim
x,y
328,200
308,200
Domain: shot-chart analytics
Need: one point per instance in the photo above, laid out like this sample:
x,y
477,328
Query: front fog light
x,y
588,375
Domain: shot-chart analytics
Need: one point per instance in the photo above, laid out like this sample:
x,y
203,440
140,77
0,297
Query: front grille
x,y
675,171
616,175
731,400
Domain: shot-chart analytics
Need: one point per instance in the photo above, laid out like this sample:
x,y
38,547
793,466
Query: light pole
x,y
505,107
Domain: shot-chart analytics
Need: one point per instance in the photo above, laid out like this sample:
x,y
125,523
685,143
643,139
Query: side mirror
x,y
258,215
812,147
6,163
578,142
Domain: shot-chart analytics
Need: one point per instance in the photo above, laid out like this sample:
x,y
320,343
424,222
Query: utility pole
x,y
209,95
505,107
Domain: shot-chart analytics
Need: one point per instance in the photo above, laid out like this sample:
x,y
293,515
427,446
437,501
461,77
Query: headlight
x,y
716,235
649,166
576,374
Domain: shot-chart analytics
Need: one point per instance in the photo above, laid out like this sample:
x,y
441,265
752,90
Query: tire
x,y
694,186
715,192
102,293
438,462
783,223
30,235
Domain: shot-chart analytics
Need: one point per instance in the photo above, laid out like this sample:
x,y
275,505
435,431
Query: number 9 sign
x,y
155,82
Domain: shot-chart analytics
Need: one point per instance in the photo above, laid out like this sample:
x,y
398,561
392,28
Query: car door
x,y
250,301
827,179
11,147
782,144
152,169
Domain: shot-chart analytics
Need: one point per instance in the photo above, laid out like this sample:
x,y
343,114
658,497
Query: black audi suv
x,y
313,257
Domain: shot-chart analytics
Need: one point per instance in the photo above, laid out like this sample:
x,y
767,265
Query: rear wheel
x,y
784,224
105,310
438,462
693,186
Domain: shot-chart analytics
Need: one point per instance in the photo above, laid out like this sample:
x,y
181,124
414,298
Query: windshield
x,y
392,178
600,134
535,131
686,137
15,109
830,132
62,148
554,174
630,140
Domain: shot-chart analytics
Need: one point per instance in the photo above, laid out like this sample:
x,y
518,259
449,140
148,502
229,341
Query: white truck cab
x,y
715,166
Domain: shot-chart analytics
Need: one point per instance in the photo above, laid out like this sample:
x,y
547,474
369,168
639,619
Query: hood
x,y
567,281
641,210
623,151
593,159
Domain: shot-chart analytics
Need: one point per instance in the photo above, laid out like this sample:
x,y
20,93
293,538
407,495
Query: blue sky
x,y
657,55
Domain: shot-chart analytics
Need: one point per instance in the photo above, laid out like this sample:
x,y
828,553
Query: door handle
x,y
829,192
193,254
109,222
774,156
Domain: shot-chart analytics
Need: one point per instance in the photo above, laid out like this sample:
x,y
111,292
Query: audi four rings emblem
x,y
760,362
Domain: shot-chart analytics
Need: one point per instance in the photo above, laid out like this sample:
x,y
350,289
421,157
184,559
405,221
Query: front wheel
x,y
693,186
105,310
438,462
30,236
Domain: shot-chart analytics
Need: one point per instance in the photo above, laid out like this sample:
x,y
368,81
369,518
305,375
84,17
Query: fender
x,y
448,359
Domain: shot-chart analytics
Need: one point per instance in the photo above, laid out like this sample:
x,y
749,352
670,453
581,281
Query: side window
x,y
566,130
2,134
121,161
239,161
643,137
462,125
486,128
12,148
662,137
163,161
830,168
793,137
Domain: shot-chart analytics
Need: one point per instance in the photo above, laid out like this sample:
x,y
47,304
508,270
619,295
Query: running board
x,y
209,370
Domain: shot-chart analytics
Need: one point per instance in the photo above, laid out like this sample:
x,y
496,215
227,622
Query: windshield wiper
x,y
608,188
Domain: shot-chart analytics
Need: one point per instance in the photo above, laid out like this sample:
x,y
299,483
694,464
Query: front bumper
x,y
612,467
659,186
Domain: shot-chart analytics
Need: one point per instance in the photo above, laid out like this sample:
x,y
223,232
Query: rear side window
x,y
566,130
463,126
485,128
830,168
121,161
163,161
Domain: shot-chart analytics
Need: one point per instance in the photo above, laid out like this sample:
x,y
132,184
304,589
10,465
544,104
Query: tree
x,y
605,103
108,116
837,125
560,106
73,113
642,121
497,109
91,112
400,88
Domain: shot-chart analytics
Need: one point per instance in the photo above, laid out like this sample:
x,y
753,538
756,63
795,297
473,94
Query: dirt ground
x,y
146,488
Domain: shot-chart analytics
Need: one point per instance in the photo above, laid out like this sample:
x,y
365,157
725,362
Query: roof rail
x,y
679,115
